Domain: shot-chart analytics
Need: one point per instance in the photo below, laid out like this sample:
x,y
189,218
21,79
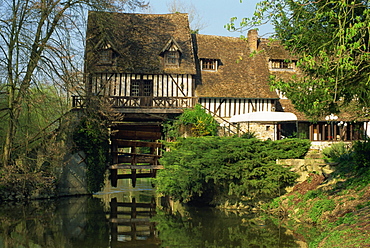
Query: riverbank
x,y
326,212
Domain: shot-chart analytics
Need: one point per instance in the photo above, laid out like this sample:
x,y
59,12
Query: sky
x,y
215,14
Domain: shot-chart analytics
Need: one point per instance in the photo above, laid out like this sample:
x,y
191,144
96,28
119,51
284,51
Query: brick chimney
x,y
253,39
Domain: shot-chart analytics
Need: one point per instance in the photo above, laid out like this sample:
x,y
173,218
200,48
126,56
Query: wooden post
x,y
114,215
114,172
133,177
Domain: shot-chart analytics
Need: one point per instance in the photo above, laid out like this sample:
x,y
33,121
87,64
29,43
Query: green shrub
x,y
337,152
312,194
207,168
200,122
249,135
291,148
361,154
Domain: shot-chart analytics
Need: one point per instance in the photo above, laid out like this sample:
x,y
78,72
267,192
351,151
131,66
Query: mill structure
x,y
147,68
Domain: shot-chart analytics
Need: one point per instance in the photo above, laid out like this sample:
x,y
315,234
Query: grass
x,y
336,215
346,238
319,207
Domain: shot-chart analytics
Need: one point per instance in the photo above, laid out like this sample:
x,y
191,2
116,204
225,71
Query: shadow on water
x,y
132,217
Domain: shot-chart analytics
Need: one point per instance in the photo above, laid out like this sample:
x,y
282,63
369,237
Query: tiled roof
x,y
138,40
239,75
274,50
285,105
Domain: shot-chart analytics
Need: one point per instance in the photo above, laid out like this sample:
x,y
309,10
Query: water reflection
x,y
67,222
130,222
132,217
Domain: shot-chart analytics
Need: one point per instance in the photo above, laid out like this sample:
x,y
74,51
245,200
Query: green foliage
x,y
201,123
249,135
209,168
92,137
353,163
274,204
360,206
361,154
337,152
312,194
291,148
319,207
335,62
36,121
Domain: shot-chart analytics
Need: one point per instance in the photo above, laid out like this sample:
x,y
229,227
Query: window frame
x,y
281,64
209,64
141,88
105,57
172,58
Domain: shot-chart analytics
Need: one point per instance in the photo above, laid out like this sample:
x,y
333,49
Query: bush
x,y
361,154
319,207
249,135
210,168
200,122
337,152
291,148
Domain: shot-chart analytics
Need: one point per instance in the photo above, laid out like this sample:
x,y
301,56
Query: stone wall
x,y
72,177
263,131
321,145
312,163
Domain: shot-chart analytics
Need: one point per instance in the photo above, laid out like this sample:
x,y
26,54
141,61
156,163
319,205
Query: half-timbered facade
x,y
238,81
152,64
140,63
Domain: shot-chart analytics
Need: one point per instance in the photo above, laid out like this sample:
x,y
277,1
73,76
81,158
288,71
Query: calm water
x,y
132,217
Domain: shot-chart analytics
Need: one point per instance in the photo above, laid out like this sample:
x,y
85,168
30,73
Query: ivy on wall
x,y
91,136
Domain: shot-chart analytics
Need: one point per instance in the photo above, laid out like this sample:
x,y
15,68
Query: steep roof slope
x,y
274,50
138,41
239,74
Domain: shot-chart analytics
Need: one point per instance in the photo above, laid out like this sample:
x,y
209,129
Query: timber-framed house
x,y
140,63
151,64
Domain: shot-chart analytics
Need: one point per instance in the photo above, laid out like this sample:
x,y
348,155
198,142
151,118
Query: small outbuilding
x,y
267,125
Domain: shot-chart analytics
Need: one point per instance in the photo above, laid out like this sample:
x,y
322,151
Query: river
x,y
133,217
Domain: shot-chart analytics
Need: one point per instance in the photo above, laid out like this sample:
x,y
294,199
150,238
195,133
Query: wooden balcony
x,y
140,104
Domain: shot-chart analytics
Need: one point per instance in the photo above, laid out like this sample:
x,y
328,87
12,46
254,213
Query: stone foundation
x,y
72,177
303,167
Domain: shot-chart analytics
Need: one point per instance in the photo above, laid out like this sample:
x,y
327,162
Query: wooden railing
x,y
139,102
227,128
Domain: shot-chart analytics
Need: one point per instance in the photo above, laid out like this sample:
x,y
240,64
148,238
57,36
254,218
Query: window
x,y
105,56
209,64
281,64
172,58
141,88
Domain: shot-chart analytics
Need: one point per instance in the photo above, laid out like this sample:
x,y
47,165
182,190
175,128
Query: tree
x,y
36,46
197,119
195,20
331,39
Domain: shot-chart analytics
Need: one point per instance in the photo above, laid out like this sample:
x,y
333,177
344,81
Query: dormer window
x,y
105,57
171,53
280,64
209,64
172,58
